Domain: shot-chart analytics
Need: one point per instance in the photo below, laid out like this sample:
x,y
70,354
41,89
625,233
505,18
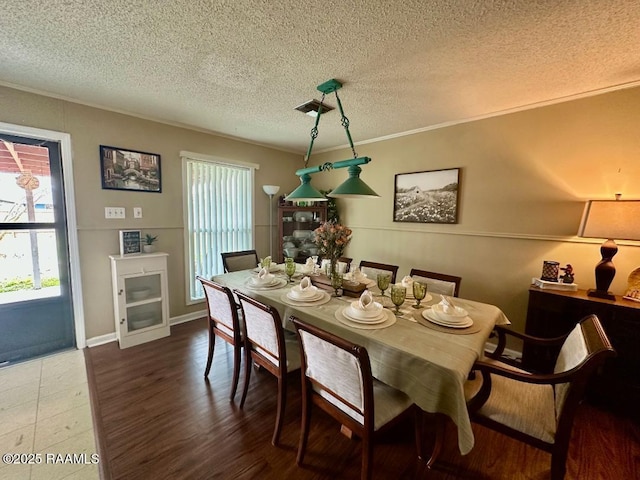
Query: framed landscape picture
x,y
130,170
427,197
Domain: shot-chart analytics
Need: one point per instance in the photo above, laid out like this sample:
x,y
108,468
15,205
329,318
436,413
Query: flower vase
x,y
333,267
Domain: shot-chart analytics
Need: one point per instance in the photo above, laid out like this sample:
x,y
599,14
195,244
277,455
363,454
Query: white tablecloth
x,y
429,366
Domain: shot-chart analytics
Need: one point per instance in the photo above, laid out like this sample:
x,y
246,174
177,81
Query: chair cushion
x,y
526,407
388,403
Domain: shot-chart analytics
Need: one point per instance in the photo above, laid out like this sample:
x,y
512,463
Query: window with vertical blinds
x,y
218,202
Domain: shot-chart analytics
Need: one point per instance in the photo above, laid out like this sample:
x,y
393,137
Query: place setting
x,y
357,276
305,295
447,317
265,280
269,264
365,313
415,291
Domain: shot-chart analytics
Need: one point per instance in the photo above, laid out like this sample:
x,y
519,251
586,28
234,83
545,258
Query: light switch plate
x,y
137,212
114,212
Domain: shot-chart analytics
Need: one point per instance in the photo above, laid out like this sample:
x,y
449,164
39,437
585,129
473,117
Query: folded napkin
x,y
263,277
407,281
356,275
265,262
366,300
309,263
305,290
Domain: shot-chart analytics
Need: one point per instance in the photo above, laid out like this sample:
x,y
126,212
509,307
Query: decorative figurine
x,y
568,274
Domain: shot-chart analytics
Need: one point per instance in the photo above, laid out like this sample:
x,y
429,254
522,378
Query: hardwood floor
x,y
158,418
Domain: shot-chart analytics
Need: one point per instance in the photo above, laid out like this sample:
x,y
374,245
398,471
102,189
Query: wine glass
x,y
419,292
289,268
336,281
398,294
383,282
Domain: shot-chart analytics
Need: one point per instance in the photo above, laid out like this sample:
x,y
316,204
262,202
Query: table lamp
x,y
610,219
271,190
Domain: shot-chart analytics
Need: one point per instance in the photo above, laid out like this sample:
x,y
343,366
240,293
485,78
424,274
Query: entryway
x,y
36,302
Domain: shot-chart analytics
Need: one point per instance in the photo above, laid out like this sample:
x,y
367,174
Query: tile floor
x,y
45,409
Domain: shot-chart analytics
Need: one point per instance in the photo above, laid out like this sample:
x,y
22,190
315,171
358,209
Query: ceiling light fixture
x,y
353,187
312,107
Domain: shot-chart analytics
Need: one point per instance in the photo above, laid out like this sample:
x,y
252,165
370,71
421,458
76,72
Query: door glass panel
x,y
25,184
28,265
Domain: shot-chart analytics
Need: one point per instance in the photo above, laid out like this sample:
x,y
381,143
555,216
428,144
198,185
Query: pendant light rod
x,y
325,167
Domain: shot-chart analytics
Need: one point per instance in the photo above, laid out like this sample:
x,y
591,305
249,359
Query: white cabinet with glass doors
x,y
140,297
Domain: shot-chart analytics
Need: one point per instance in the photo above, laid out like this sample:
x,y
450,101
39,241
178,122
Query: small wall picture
x,y
130,242
427,197
130,170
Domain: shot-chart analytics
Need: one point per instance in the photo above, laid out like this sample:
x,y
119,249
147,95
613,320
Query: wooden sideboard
x,y
553,313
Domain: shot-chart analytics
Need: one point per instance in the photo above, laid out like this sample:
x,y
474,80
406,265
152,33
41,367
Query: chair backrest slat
x,y
220,304
440,283
236,261
372,269
263,328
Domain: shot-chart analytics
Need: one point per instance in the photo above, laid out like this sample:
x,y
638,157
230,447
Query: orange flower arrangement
x,y
332,239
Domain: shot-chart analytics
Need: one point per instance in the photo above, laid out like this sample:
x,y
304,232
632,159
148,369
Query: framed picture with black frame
x,y
130,242
123,169
427,197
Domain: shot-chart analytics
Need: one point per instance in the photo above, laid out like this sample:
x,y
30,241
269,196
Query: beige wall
x,y
524,179
162,213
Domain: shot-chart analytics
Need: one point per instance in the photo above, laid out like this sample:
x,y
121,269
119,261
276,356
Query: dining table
x,y
428,362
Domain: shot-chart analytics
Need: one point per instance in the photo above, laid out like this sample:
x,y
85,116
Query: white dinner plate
x,y
277,283
371,321
389,320
324,298
312,298
427,314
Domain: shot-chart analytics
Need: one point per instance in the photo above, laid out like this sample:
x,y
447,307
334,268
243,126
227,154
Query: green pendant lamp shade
x,y
353,187
305,192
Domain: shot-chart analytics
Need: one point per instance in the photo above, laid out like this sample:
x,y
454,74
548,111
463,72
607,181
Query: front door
x,y
36,313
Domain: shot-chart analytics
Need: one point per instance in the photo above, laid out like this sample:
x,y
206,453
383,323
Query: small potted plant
x,y
149,240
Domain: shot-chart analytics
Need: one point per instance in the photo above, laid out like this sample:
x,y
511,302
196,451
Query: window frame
x,y
186,158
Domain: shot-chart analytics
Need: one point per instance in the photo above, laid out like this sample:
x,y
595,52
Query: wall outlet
x,y
114,212
137,212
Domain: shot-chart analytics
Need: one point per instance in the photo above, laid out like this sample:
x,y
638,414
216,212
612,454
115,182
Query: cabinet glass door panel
x,y
144,316
141,288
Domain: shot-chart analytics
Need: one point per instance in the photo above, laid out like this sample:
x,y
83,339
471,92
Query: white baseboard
x,y
101,339
188,317
111,337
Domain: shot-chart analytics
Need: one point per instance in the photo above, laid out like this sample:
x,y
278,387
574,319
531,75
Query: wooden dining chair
x,y
539,409
224,322
267,346
372,269
438,282
242,260
336,376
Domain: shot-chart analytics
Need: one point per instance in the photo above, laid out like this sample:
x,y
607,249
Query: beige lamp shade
x,y
611,219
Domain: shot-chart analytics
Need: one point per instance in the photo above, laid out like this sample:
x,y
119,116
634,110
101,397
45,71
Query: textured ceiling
x,y
239,67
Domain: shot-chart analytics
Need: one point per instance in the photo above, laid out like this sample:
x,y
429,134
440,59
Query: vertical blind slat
x,y
219,216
